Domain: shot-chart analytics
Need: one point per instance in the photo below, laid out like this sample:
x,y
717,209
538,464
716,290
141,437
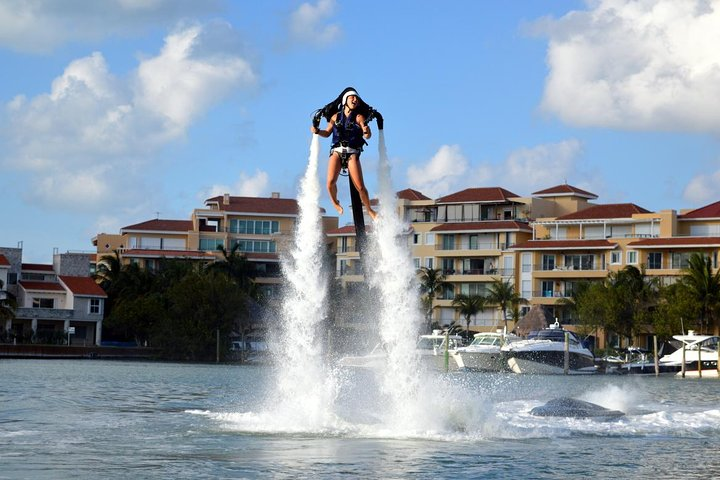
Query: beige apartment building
x,y
544,244
261,228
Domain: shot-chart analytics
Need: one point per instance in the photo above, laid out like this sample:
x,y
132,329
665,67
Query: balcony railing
x,y
567,268
550,293
503,272
472,246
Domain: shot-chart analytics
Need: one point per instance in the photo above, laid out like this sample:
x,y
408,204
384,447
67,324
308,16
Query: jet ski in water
x,y
327,112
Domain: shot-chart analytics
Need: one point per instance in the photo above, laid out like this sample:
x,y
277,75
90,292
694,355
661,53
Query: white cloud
x,y
307,24
42,25
255,185
87,142
702,189
523,171
647,65
444,170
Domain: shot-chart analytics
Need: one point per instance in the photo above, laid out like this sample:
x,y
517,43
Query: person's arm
x,y
367,133
327,131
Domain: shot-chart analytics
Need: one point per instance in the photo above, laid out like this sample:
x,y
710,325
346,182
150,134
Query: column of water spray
x,y
305,391
393,275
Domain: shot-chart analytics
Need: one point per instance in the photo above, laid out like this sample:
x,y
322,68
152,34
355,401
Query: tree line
x,y
184,310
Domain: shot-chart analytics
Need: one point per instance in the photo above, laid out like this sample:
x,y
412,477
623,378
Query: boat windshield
x,y
556,335
486,340
709,344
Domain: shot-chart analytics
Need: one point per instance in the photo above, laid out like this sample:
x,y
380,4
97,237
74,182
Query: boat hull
x,y
551,362
482,361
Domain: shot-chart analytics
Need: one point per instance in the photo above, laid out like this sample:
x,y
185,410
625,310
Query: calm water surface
x,y
99,419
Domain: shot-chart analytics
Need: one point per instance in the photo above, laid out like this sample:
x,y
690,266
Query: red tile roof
x,y
564,190
486,194
564,245
483,226
676,242
606,211
410,194
708,211
4,261
143,253
160,225
46,286
267,206
36,267
84,286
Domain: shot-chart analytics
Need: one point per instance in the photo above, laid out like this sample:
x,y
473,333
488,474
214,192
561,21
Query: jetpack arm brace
x,y
316,118
374,114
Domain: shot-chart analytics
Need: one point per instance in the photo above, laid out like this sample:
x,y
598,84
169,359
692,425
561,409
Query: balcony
x,y
584,267
503,272
25,313
466,245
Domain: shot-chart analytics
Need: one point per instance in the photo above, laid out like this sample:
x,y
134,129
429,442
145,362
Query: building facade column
x,y
98,333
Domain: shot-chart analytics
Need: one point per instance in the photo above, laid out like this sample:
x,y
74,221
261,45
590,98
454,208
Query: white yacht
x,y
697,347
545,353
484,353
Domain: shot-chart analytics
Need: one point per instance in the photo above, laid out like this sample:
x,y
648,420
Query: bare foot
x,y
373,214
338,208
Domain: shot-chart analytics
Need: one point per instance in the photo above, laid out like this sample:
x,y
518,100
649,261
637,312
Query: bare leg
x,y
357,178
332,176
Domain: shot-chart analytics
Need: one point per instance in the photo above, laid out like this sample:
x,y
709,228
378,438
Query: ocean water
x,y
108,419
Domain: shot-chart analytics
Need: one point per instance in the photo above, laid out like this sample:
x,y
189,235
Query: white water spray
x,y
392,273
305,389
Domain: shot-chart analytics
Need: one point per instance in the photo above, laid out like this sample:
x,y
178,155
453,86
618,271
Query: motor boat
x,y
484,354
545,353
430,349
701,349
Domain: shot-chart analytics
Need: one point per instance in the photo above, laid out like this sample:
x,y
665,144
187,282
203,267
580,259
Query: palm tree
x,y
432,283
704,286
468,306
502,293
108,271
236,266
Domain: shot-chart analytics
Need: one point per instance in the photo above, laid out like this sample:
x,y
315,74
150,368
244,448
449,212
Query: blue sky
x,y
117,111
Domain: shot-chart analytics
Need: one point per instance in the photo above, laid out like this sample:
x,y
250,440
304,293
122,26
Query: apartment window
x,y
473,242
429,239
474,289
680,260
43,303
211,244
548,262
256,246
448,266
448,292
654,260
632,257
615,258
547,288
254,227
12,278
95,306
527,262
579,262
429,262
448,242
416,263
526,289
416,239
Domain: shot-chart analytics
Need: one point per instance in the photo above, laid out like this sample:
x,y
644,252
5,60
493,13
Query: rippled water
x,y
99,419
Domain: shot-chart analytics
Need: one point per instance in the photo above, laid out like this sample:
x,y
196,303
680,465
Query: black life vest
x,y
347,132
